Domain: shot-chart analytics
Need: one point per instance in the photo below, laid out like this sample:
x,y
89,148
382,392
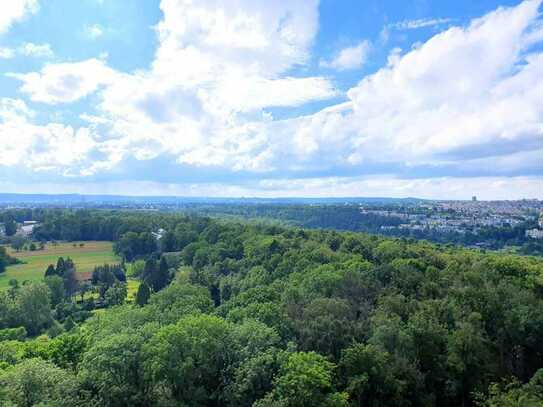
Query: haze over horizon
x,y
299,98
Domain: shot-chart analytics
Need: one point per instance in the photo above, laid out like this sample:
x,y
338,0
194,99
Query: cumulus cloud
x,y
94,31
467,102
28,49
218,66
451,100
6,53
65,82
14,11
36,50
42,148
349,58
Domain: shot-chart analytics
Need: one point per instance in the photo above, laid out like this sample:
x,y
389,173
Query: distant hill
x,y
78,199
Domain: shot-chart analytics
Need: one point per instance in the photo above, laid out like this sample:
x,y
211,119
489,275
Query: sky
x,y
284,98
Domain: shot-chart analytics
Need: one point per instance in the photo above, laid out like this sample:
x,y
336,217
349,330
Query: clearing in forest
x,y
85,257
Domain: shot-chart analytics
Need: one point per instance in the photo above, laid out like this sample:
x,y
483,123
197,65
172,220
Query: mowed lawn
x,y
85,258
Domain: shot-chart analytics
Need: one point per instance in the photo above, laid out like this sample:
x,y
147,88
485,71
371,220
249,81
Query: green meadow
x,y
85,257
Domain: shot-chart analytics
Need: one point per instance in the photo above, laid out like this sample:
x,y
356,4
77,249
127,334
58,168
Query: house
x,y
535,233
83,276
27,227
158,234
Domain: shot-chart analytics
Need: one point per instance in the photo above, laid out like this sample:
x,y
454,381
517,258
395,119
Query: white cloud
x,y
349,58
14,11
420,23
218,65
469,100
464,95
6,53
65,82
36,50
94,31
42,148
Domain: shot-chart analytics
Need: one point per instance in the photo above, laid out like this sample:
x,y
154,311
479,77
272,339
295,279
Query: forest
x,y
349,217
232,313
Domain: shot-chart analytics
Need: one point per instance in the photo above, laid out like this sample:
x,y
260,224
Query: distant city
x,y
466,216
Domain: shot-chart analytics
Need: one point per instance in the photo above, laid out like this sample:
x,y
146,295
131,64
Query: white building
x,y
27,228
535,233
158,234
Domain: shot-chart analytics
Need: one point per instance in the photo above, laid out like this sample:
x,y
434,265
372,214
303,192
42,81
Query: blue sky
x,y
434,99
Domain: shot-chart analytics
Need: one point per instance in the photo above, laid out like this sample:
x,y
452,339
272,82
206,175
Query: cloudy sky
x,y
436,99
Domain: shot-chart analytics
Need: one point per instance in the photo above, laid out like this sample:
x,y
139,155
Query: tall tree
x,y
10,227
51,271
163,276
61,266
143,294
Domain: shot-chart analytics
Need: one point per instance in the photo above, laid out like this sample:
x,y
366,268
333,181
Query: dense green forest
x,y
348,217
240,314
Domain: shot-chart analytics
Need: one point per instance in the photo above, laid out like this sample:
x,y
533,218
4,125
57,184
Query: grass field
x,y
85,258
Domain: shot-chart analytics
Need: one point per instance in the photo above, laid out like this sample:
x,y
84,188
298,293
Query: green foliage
x,y
116,294
305,379
143,294
269,316
13,334
37,382
56,289
514,394
112,368
10,226
190,359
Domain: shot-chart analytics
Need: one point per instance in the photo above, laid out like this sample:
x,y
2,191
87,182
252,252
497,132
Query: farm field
x,y
88,256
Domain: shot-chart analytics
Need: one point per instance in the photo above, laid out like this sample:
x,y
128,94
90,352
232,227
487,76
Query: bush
x,y
13,334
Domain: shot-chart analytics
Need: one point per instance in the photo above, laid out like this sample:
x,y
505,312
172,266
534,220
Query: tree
x,y
189,359
84,287
157,276
369,377
304,380
116,294
143,294
514,394
17,243
67,350
149,271
34,307
61,267
468,357
326,325
56,289
36,382
163,276
113,369
70,281
10,227
4,260
168,242
51,271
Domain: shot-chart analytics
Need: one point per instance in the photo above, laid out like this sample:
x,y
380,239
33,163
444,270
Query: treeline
x,y
91,224
52,306
350,218
261,315
5,259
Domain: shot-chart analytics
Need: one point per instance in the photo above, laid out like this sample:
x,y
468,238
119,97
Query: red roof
x,y
83,276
